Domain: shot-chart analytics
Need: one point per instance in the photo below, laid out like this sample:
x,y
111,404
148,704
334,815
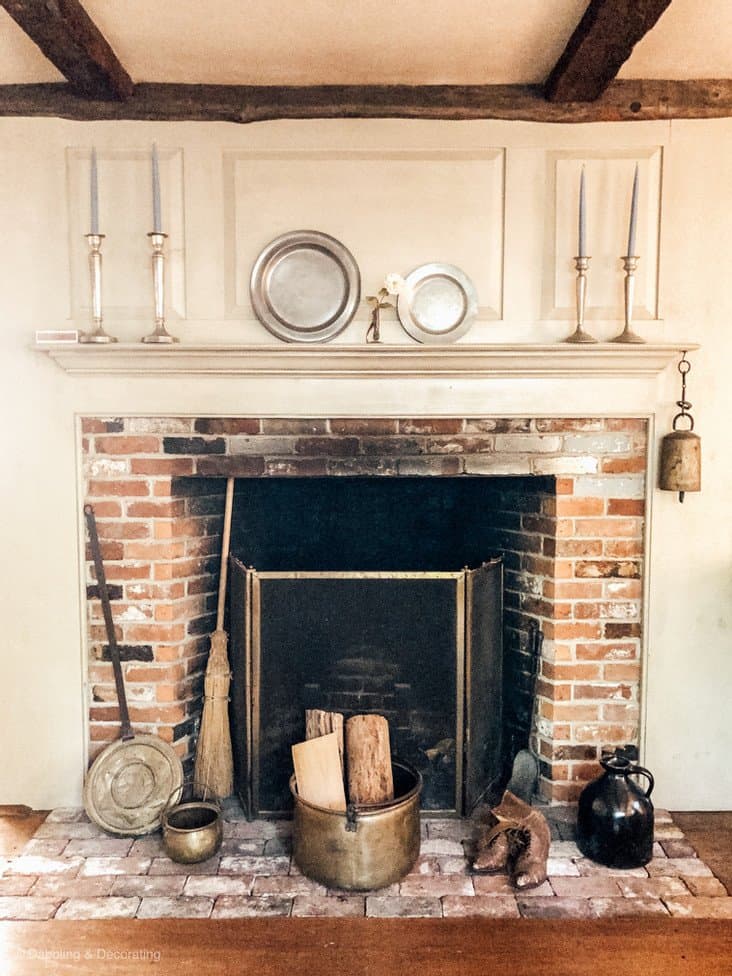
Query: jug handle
x,y
640,771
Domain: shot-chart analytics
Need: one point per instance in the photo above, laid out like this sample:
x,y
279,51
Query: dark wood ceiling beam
x,y
623,101
601,43
70,39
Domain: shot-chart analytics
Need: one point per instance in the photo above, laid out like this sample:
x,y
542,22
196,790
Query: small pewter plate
x,y
305,287
438,303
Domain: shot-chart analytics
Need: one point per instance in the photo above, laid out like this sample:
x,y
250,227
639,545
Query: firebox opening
x,y
386,595
379,524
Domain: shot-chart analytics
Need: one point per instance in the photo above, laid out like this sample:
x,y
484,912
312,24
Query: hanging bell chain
x,y
681,449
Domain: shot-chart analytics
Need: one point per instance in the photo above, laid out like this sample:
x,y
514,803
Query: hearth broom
x,y
214,767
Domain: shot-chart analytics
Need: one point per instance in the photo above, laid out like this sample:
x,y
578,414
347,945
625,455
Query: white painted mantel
x,y
505,361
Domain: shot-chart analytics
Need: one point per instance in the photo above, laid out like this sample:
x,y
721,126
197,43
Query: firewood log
x,y
370,778
319,722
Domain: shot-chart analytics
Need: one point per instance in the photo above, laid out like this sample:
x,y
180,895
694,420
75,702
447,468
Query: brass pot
x,y
365,847
192,831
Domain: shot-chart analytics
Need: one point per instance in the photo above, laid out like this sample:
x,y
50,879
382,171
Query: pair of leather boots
x,y
515,838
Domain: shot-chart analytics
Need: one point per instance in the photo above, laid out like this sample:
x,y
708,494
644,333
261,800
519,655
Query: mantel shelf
x,y
506,361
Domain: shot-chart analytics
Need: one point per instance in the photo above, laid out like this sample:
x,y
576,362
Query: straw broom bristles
x,y
214,766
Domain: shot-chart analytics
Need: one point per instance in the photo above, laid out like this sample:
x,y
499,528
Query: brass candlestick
x,y
630,263
95,278
160,335
579,335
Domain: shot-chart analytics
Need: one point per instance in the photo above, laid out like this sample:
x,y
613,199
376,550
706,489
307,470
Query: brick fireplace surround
x,y
573,556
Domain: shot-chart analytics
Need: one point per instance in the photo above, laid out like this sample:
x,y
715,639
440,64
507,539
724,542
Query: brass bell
x,y
681,449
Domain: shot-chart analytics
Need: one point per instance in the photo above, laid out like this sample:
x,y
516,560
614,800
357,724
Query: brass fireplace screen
x,y
422,648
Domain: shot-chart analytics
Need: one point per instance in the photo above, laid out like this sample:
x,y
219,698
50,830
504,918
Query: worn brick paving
x,y
89,877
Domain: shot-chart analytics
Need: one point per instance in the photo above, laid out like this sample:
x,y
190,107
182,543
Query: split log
x,y
318,772
319,722
370,778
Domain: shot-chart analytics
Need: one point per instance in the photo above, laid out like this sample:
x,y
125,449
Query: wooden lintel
x,y
623,101
601,43
70,39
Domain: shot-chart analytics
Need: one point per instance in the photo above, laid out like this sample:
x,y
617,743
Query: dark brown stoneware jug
x,y
615,816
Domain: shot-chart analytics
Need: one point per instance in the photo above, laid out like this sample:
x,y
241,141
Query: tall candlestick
x,y
157,223
633,215
582,243
94,193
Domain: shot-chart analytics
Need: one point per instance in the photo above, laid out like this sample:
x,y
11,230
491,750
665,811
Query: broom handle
x,y
225,540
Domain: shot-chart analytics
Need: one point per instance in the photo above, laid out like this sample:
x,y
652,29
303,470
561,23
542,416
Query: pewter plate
x,y
129,784
438,303
305,287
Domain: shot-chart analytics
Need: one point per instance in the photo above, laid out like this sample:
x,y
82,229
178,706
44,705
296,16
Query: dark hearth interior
x,y
400,646
375,524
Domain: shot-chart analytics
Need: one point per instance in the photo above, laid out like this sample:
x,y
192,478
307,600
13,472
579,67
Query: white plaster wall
x,y
689,647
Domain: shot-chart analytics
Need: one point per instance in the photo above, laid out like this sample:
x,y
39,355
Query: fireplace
x,y
566,503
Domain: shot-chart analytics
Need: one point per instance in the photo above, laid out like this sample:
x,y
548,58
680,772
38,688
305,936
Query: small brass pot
x,y
365,847
192,831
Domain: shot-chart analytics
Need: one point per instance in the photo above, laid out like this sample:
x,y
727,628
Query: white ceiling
x,y
371,41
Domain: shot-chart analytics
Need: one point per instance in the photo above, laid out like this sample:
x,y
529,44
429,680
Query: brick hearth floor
x,y
73,870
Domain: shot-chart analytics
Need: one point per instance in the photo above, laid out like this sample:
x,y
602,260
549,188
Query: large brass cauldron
x,y
366,847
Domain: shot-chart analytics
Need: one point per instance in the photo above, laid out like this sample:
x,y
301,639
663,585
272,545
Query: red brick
x,y
327,446
617,631
155,591
585,771
98,425
119,444
125,572
126,489
570,672
565,486
555,692
604,568
230,466
609,527
178,466
626,506
579,505
155,632
572,547
154,550
607,652
596,692
626,424
368,426
227,425
172,508
623,548
294,467
621,672
123,530
572,590
568,424
623,590
148,673
619,465
572,630
569,712
109,550
107,509
440,425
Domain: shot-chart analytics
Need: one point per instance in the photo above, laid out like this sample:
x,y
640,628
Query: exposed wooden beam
x,y
599,46
70,39
623,101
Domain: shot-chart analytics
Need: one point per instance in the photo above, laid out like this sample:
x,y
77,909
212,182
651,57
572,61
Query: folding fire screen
x,y
423,649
